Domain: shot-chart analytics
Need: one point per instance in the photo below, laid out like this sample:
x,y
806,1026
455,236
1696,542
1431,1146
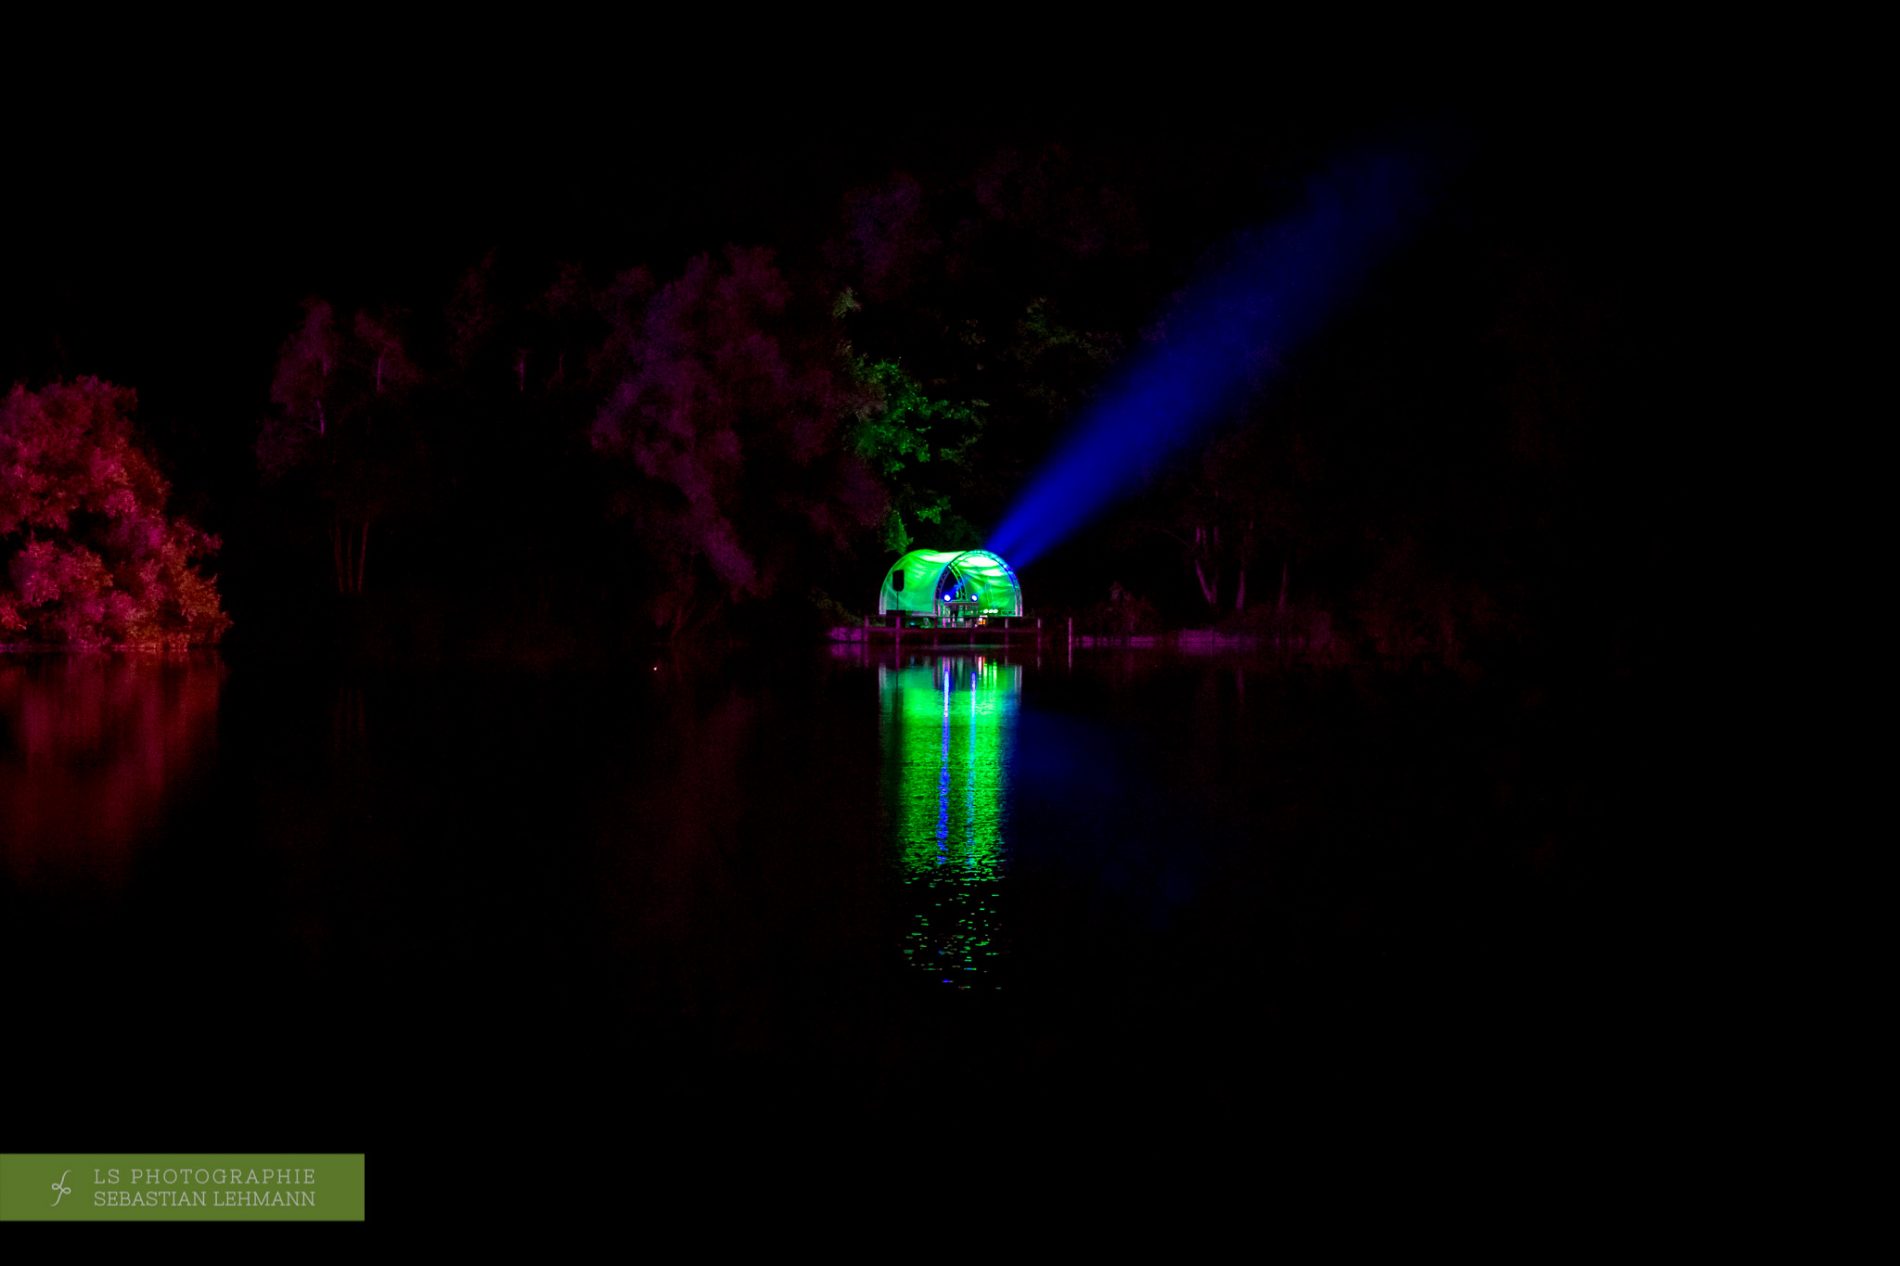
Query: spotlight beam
x,y
1226,335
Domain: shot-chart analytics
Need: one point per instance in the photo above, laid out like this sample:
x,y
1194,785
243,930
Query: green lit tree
x,y
920,446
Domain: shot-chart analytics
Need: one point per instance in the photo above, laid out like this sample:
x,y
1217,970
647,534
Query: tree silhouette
x,y
340,425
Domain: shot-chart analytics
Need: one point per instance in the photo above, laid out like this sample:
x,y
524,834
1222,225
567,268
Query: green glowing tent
x,y
950,586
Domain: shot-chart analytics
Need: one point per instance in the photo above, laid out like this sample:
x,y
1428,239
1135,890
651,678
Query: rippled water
x,y
260,908
947,727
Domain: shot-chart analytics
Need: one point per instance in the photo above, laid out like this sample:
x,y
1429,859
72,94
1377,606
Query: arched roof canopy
x,y
925,581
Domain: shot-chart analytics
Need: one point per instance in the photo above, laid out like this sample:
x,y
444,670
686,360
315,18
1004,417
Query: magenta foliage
x,y
887,236
725,397
91,558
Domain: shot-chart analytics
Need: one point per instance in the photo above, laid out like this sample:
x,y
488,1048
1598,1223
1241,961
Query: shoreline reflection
x,y
92,748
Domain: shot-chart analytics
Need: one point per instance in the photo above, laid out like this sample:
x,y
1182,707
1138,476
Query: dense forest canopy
x,y
523,388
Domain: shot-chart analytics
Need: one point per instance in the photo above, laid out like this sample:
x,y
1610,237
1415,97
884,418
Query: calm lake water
x,y
255,908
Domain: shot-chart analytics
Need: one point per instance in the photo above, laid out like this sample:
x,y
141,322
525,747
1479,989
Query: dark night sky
x,y
165,235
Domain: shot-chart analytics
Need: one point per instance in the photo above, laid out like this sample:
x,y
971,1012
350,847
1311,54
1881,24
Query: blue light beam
x,y
1228,333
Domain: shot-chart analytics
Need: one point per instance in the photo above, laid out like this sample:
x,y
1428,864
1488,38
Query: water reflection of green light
x,y
947,725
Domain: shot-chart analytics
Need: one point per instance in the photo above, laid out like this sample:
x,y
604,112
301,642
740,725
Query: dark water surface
x,y
671,909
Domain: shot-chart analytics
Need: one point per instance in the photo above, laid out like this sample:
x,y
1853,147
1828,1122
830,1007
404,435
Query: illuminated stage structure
x,y
947,726
934,588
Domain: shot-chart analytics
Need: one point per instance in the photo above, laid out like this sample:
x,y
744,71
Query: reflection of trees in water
x,y
741,883
90,748
349,724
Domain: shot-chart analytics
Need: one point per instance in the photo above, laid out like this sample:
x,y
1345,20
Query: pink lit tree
x,y
725,398
90,557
